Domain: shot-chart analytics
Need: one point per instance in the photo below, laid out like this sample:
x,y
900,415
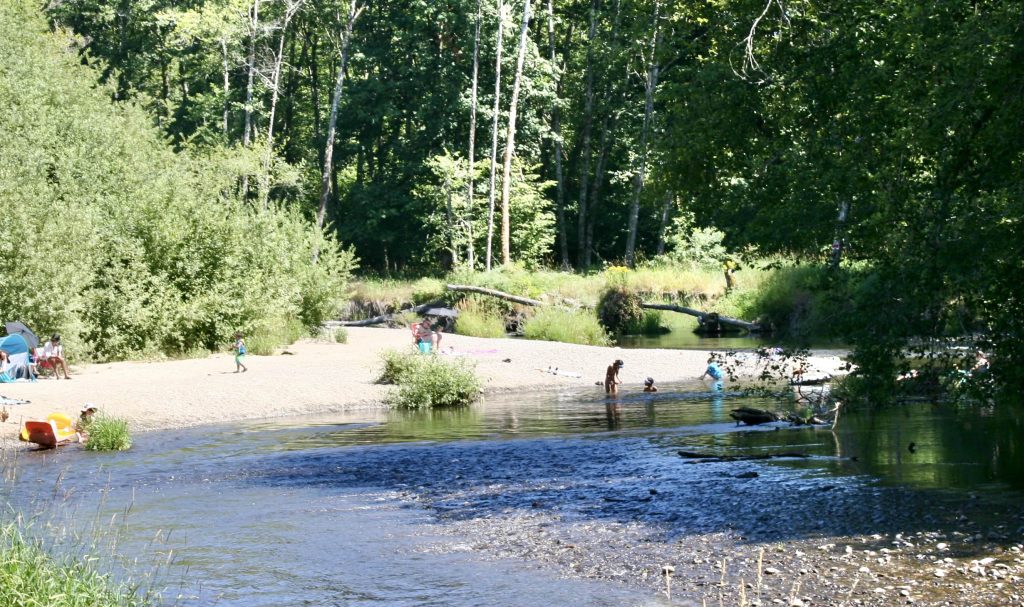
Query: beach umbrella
x,y
16,327
445,312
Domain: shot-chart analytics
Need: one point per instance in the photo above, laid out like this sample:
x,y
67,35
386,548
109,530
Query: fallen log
x,y
709,319
711,457
526,301
383,318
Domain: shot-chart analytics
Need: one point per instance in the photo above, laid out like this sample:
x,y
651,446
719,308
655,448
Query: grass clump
x,y
28,576
428,382
107,434
341,335
568,326
477,320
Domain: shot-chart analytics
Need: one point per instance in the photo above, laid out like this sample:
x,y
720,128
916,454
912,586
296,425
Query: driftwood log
x,y
383,318
708,318
526,301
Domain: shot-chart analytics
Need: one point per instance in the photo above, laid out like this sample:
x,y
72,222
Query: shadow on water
x,y
249,504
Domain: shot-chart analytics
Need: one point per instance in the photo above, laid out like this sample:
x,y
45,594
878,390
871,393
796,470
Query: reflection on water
x,y
317,510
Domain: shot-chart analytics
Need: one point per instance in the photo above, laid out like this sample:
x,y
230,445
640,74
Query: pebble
x,y
940,573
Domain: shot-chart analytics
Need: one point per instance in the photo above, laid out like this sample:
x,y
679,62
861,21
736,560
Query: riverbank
x,y
313,377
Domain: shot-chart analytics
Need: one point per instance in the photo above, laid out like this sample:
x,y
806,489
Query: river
x,y
533,499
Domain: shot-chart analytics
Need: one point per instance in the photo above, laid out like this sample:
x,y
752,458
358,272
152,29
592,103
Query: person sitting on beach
x,y
53,353
611,377
712,371
649,385
422,332
5,366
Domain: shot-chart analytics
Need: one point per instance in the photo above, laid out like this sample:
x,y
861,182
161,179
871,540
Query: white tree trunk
x,y
506,180
275,81
641,169
494,134
332,122
470,250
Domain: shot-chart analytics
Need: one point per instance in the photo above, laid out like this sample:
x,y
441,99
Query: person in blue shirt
x,y
239,348
712,371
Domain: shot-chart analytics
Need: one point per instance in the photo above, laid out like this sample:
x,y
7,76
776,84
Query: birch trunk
x,y
494,134
641,169
227,82
506,175
275,82
556,129
339,84
254,24
470,249
582,256
666,212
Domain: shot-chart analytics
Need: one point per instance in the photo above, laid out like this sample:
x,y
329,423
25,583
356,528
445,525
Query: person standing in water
x,y
611,377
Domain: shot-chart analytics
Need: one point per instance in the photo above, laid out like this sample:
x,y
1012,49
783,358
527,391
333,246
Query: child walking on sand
x,y
239,349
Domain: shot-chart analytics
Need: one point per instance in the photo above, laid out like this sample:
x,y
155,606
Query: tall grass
x,y
30,577
568,326
478,320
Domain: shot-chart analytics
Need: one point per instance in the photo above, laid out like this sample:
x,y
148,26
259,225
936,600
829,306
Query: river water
x,y
534,499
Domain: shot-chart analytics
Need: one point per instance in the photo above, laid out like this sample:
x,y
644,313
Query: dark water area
x,y
440,507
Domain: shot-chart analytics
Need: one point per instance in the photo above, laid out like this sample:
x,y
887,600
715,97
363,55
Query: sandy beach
x,y
313,377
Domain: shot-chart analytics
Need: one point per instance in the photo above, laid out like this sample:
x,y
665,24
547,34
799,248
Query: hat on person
x,y
649,381
56,337
619,363
89,408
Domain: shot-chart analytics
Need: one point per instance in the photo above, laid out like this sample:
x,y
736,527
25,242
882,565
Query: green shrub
x,y
341,335
163,255
29,576
266,340
649,324
397,365
619,310
428,381
569,326
107,434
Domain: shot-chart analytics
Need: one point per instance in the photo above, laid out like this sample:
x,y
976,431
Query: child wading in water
x,y
611,377
239,349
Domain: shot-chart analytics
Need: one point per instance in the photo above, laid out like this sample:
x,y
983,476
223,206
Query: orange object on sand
x,y
58,429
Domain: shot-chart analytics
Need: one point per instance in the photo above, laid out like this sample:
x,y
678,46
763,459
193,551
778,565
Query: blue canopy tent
x,y
17,350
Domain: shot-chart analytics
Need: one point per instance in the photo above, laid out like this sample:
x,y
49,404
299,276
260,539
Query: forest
x,y
878,142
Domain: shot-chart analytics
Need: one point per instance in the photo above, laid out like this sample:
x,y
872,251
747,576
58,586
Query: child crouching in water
x,y
649,385
239,349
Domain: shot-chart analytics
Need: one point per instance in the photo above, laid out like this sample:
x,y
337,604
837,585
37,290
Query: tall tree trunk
x,y
641,169
339,84
275,82
314,84
582,253
494,133
556,129
607,125
666,212
506,181
470,249
254,24
227,81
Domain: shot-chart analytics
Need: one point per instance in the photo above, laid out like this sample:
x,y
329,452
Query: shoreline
x,y
317,377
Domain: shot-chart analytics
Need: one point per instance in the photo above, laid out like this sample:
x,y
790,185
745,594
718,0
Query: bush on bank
x,y
428,381
124,245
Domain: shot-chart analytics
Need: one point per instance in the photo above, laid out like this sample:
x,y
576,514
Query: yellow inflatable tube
x,y
58,428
